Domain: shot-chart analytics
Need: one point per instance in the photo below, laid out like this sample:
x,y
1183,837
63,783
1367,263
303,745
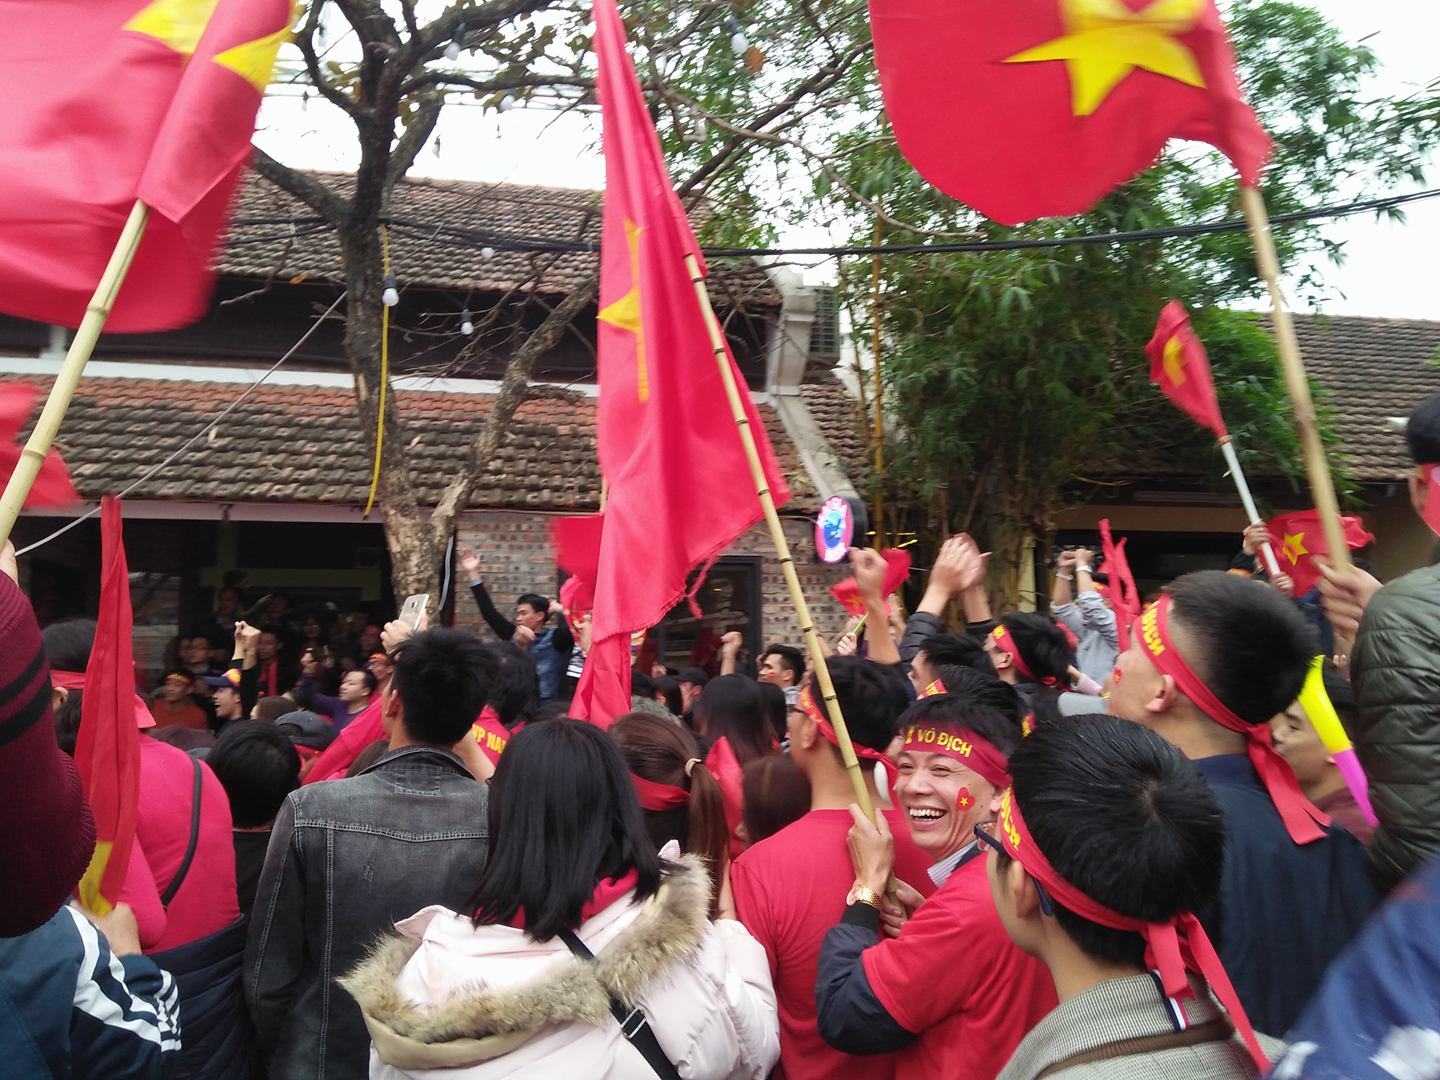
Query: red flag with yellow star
x,y
1299,540
680,490
1037,108
1179,366
110,101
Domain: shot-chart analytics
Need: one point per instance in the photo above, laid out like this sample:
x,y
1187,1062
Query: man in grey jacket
x,y
1395,669
347,858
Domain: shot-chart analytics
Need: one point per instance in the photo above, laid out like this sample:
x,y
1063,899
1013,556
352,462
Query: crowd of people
x,y
1048,847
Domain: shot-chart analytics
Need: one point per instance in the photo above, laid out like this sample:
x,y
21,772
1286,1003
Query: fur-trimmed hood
x,y
482,1020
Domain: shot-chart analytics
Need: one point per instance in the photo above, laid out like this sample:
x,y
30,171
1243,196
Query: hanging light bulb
x,y
452,50
436,147
391,296
739,43
487,252
507,103
467,325
305,100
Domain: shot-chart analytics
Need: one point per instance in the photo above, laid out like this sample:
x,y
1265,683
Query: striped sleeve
x,y
126,1016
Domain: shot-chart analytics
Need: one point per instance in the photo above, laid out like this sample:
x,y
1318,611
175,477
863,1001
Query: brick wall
x,y
514,550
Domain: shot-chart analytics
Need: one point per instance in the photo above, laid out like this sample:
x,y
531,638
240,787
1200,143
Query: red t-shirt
x,y
491,734
790,890
955,978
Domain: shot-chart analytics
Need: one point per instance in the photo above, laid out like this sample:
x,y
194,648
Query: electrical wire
x,y
507,242
193,438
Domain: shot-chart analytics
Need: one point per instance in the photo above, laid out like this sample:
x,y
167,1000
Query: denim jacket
x,y
347,859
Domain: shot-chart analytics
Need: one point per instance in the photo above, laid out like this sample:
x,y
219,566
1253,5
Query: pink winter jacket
x,y
447,1000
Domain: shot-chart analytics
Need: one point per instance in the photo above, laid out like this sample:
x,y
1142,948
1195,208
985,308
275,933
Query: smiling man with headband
x,y
1106,845
1207,667
951,992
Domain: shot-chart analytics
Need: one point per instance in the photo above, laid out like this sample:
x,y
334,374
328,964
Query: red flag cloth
x,y
335,760
680,489
107,750
1180,367
52,486
1036,108
159,105
897,569
1124,595
1299,539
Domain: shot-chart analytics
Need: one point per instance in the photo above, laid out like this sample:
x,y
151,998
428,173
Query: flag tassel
x,y
1243,487
66,382
1322,486
782,546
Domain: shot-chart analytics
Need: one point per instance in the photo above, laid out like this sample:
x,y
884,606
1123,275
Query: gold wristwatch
x,y
861,894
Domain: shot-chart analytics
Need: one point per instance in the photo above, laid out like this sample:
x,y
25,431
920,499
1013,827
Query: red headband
x,y
1005,641
1303,821
806,704
1172,948
965,746
657,796
933,688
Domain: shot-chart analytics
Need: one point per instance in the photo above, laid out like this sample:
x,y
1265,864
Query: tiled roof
x,y
837,413
264,241
1374,369
303,444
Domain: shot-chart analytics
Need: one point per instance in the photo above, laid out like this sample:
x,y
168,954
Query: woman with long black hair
x,y
577,925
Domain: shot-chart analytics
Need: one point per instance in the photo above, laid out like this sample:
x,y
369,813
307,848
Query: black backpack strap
x,y
179,878
634,1024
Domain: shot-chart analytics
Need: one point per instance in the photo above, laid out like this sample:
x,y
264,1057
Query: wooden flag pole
x,y
66,382
782,546
1322,487
1237,474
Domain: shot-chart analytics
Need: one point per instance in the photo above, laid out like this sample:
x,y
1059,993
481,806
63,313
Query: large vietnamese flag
x,y
110,101
1037,108
107,750
680,490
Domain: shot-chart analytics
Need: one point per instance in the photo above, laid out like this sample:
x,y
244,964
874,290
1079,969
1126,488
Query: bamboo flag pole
x,y
1237,474
1322,487
777,536
66,382
879,523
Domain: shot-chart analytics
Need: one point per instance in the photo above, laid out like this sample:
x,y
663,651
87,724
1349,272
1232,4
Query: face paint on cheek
x,y
1115,677
964,800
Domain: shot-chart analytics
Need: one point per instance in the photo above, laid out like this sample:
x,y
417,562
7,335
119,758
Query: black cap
x,y
693,675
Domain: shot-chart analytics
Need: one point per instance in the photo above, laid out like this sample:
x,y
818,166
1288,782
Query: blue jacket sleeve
x,y
849,1015
126,1014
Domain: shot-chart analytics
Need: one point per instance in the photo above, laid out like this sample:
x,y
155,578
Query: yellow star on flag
x,y
254,61
1294,547
626,311
1105,40
1175,362
177,23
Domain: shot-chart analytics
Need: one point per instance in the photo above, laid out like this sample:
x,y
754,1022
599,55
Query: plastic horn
x,y
1321,711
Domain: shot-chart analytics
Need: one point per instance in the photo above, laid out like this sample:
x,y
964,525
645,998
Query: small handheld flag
x,y
1299,540
1180,367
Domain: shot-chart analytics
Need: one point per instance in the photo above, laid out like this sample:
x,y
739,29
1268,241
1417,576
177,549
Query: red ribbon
x,y
657,796
1005,641
965,746
1303,821
1171,947
806,704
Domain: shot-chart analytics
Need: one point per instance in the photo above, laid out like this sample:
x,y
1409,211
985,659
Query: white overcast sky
x,y
1388,271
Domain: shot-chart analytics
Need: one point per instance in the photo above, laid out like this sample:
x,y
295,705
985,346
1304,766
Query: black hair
x,y
536,601
443,678
658,749
1126,819
730,708
791,659
1422,432
777,711
257,765
956,650
775,793
971,684
1245,641
641,685
563,817
515,692
947,712
68,643
1042,645
667,691
871,697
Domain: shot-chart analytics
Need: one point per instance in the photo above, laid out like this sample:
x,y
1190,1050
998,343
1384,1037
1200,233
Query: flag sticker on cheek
x,y
964,800
1115,677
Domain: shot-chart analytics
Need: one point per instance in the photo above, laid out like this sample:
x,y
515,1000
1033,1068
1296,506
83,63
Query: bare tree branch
x,y
305,42
304,187
269,278
417,134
